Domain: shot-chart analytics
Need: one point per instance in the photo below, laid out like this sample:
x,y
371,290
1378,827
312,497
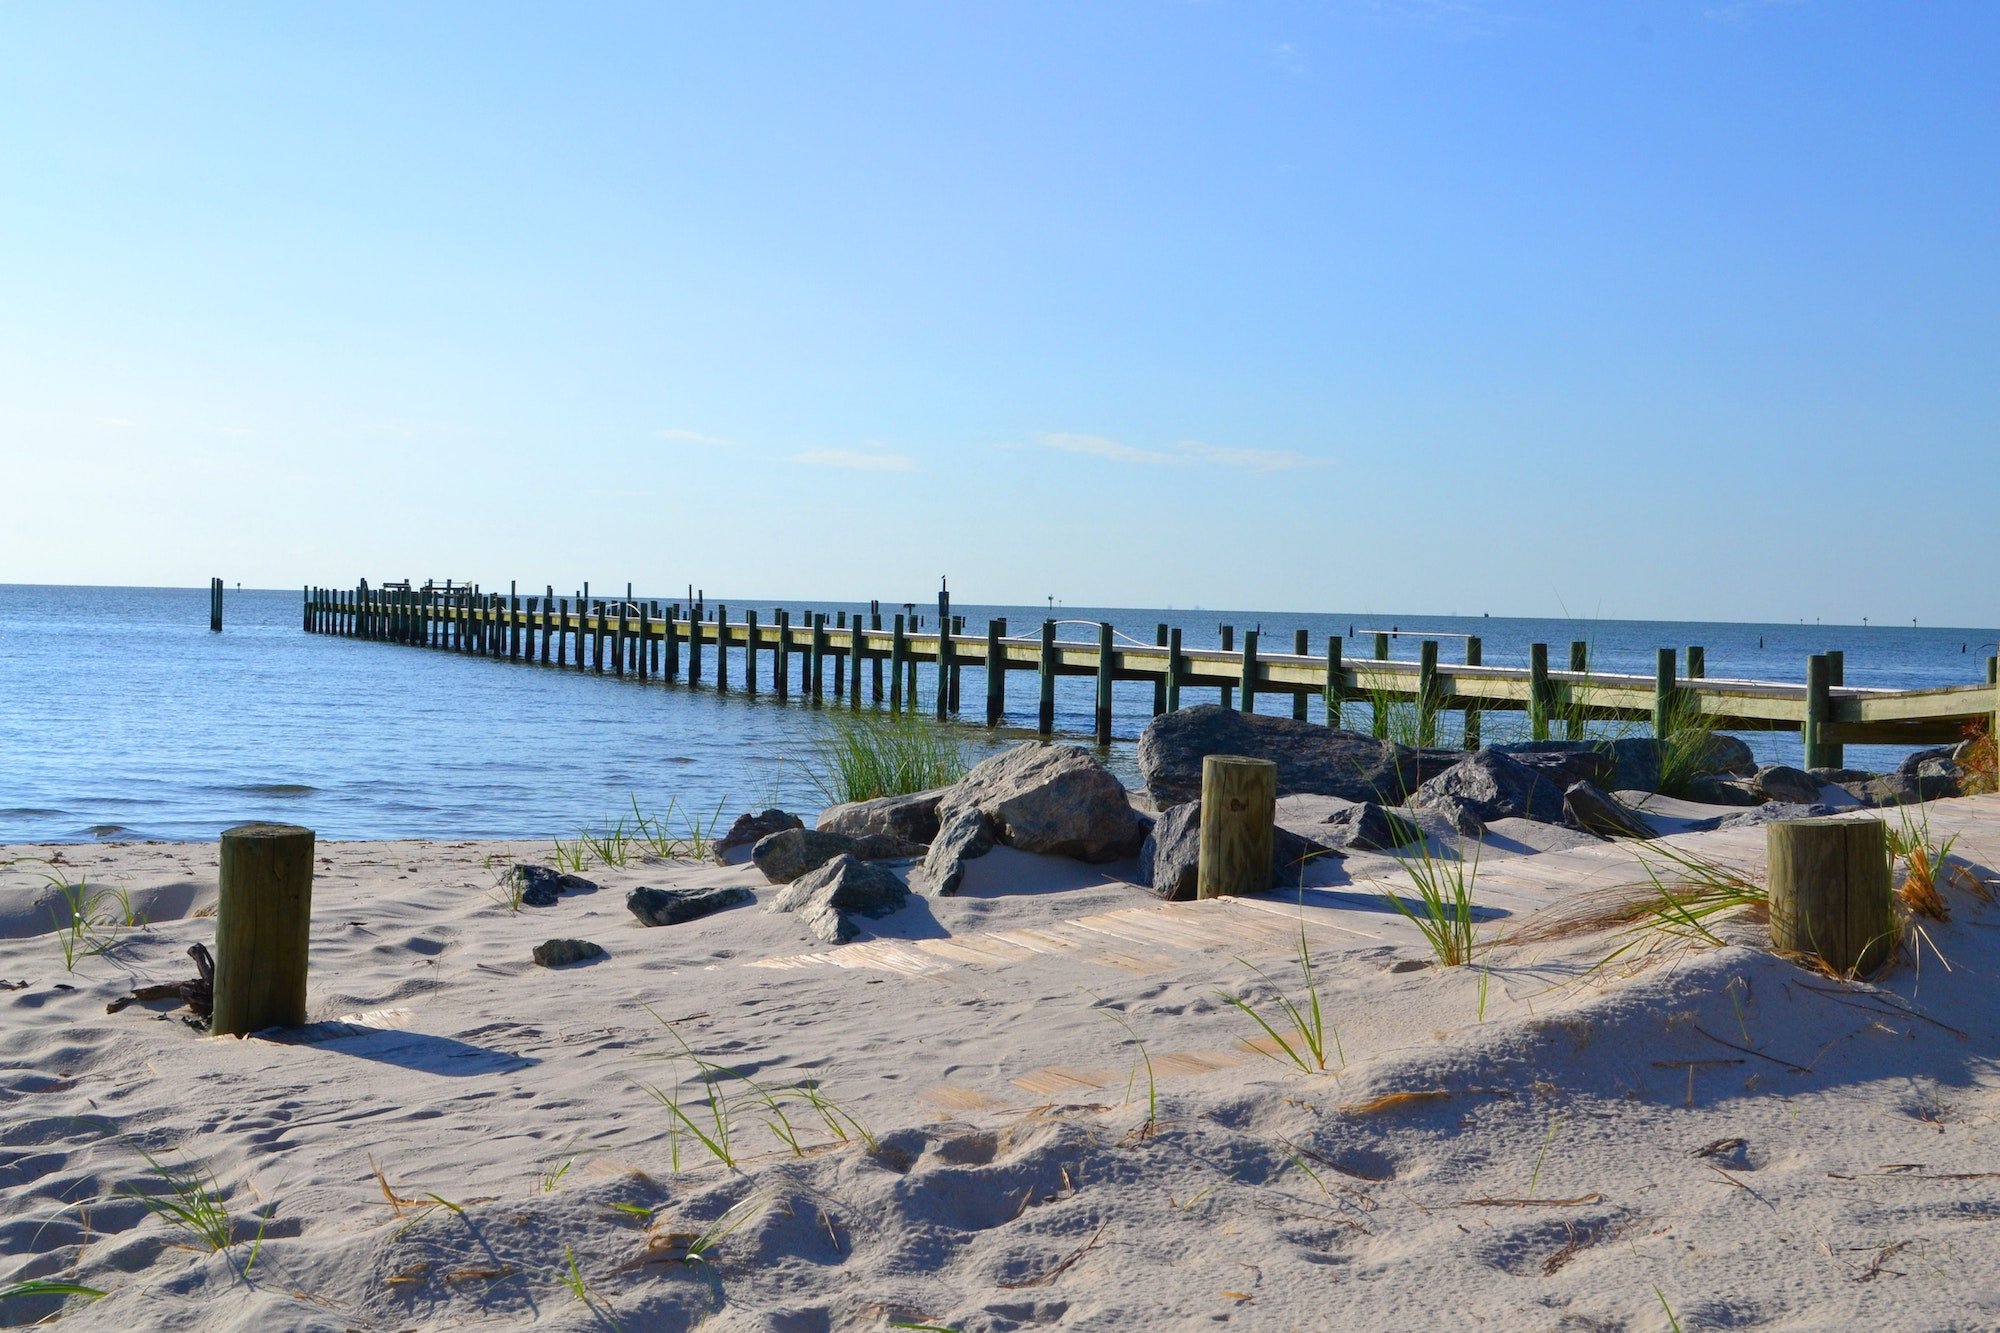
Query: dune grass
x,y
1443,913
88,921
860,758
1305,1038
192,1203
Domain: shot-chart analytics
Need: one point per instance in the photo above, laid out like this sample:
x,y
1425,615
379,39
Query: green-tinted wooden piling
x,y
1334,689
1697,662
818,658
1427,692
750,646
1539,693
1106,662
1379,704
1818,695
875,661
1664,720
1381,647
263,928
1160,684
1836,677
1574,694
944,654
1247,673
996,674
781,656
839,659
721,648
1301,646
1045,705
1228,694
899,649
1475,653
695,637
215,606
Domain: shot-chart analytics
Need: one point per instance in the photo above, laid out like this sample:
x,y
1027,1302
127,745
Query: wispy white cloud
x,y
855,460
1183,453
1100,447
1288,58
694,437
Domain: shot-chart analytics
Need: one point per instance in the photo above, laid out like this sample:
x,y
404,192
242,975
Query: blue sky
x,y
1630,309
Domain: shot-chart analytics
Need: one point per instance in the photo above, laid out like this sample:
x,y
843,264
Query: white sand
x,y
1556,1179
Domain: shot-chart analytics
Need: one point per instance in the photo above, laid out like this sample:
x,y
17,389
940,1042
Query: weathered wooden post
x,y
1663,694
1239,799
817,656
721,648
1836,676
1381,706
839,656
750,651
1427,692
1160,685
1475,649
1579,662
1830,894
1045,711
1697,662
1332,688
1538,691
215,606
1301,645
1228,646
855,658
996,674
899,648
1247,676
944,666
694,645
263,921
1106,659
1174,669
1813,720
875,668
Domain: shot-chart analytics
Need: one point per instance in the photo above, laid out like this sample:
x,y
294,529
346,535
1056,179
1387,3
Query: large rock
x,y
1773,810
1638,761
967,836
1367,827
748,830
1794,786
671,907
1594,810
786,855
1489,786
1901,788
1566,763
1311,759
912,818
1714,789
539,886
1169,859
828,898
1053,799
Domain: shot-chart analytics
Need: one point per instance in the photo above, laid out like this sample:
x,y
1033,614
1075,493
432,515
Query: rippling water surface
x,y
121,715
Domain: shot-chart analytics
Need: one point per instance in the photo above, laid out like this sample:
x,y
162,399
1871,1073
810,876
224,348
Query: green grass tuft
x,y
859,758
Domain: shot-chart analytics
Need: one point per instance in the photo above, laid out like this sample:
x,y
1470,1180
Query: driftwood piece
x,y
198,993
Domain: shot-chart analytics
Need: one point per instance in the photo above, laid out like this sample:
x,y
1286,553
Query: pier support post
x,y
263,921
1381,706
1538,691
996,675
750,651
1579,662
944,667
1239,799
1697,661
817,659
1160,685
1247,674
215,606
1830,894
1475,649
1333,690
1174,668
1813,721
1045,710
1427,692
1228,646
1663,694
1106,660
721,648
1836,676
1301,645
875,669
858,653
694,645
899,648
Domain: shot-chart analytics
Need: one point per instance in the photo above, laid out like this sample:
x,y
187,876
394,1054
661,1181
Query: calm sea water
x,y
122,716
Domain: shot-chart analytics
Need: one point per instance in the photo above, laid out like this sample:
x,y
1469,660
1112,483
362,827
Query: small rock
x,y
967,836
561,953
1409,964
1840,777
912,818
1367,827
749,829
1594,810
1709,789
1774,810
883,847
1792,785
671,907
540,886
828,897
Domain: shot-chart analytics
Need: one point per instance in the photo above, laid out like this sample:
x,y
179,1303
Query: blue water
x,y
122,716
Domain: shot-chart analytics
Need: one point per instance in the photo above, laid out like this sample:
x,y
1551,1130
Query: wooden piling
x,y
1227,694
1106,663
1475,651
899,650
1830,892
1160,685
1045,707
721,648
996,674
1332,691
263,924
1813,723
1175,666
856,657
1579,661
781,659
1427,692
750,646
1538,691
839,656
875,662
1379,708
1663,694
618,631
1697,662
1238,806
1301,645
695,637
1836,676
215,606
818,657
1247,673
944,668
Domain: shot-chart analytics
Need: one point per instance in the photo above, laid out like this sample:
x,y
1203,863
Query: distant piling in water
x,y
215,606
650,641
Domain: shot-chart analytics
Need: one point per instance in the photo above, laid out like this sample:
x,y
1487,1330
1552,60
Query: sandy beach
x,y
1709,1137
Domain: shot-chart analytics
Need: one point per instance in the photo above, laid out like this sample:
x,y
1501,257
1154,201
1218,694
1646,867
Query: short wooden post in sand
x,y
261,927
1238,803
1830,891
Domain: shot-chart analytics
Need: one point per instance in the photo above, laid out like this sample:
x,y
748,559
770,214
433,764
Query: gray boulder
x,y
1840,777
1713,789
1054,799
1774,810
1311,759
1594,810
1901,788
748,830
912,818
561,953
1368,827
1791,785
540,886
967,836
1638,761
1489,786
1566,763
828,898
1169,859
671,907
786,855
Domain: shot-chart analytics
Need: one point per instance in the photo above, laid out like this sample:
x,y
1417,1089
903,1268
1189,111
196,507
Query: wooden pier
x,y
835,657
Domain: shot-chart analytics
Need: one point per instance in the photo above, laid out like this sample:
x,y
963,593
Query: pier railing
x,y
837,656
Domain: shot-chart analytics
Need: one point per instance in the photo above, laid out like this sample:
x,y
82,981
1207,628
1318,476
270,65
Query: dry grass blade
x,y
1490,1202
1389,1101
1062,1265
